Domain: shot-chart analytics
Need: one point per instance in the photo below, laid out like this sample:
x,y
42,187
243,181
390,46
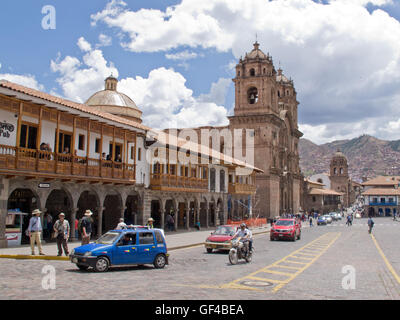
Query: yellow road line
x,y
395,275
327,240
278,272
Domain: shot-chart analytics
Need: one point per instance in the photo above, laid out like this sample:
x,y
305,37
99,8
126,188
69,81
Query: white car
x,y
357,215
328,218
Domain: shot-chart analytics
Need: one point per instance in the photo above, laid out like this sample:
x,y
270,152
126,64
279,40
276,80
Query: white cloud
x,y
183,55
84,45
79,79
105,41
162,96
344,60
23,80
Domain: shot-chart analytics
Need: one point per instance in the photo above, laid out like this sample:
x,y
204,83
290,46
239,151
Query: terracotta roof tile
x,y
70,104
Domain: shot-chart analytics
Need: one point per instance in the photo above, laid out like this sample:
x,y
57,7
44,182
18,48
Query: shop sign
x,y
5,129
44,185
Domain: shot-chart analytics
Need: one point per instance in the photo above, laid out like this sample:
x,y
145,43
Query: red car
x,y
220,239
286,229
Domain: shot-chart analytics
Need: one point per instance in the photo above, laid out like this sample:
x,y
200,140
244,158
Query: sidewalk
x,y
174,240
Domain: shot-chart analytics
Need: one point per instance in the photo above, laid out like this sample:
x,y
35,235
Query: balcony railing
x,y
167,181
30,160
383,203
239,188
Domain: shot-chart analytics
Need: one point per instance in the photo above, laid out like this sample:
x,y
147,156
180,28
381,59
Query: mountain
x,y
367,156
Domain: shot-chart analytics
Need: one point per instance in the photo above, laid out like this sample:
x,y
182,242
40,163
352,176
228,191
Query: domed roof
x,y
111,98
256,53
282,78
114,102
339,154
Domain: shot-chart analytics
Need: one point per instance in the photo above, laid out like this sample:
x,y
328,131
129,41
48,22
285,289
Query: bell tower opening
x,y
252,95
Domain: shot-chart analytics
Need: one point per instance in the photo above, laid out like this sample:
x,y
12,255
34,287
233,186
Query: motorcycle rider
x,y
243,235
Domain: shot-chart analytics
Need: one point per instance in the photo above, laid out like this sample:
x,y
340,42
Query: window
x,y
222,181
28,136
252,95
391,200
172,168
64,142
230,178
81,142
139,154
146,238
314,199
383,200
212,179
374,200
132,153
159,237
97,146
252,72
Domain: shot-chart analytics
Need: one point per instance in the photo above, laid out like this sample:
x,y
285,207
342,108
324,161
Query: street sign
x,y
44,185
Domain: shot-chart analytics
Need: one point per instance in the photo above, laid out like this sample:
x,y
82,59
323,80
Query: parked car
x,y
328,218
132,246
321,221
333,216
285,229
220,239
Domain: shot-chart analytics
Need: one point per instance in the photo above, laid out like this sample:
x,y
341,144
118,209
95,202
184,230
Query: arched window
x,y
252,95
222,181
341,170
334,171
252,72
238,73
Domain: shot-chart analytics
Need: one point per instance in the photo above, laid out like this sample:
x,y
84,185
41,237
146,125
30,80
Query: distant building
x,y
381,196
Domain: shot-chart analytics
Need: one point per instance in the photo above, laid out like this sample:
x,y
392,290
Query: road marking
x,y
391,269
325,241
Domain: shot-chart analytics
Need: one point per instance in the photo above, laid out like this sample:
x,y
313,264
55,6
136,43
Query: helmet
x,y
243,225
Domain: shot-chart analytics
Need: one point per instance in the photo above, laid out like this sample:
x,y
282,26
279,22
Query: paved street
x,y
311,268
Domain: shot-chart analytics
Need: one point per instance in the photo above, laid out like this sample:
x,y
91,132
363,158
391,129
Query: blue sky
x,y
176,58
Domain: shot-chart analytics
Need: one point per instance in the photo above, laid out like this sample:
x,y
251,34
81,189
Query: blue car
x,y
132,246
321,221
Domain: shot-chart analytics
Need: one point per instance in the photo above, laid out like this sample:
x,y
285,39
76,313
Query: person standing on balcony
x,y
34,231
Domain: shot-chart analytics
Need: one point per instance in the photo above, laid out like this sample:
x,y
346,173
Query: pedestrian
x,y
34,231
150,223
76,228
62,230
86,226
170,222
394,216
370,224
197,225
348,222
311,221
49,224
121,225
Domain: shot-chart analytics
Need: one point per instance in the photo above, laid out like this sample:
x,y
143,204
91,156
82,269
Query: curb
x,y
57,258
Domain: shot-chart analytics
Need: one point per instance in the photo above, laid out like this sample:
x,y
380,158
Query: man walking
x,y
370,224
86,227
62,229
34,231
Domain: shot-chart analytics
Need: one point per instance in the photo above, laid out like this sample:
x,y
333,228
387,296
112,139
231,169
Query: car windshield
x,y
108,238
284,223
224,231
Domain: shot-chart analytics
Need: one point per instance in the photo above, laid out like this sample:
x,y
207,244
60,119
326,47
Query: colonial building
x,y
319,199
381,196
62,156
266,108
338,181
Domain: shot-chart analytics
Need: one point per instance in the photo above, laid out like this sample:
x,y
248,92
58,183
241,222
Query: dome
x,y
282,78
111,98
256,53
339,154
114,102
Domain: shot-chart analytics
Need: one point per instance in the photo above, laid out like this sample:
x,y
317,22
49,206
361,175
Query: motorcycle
x,y
238,251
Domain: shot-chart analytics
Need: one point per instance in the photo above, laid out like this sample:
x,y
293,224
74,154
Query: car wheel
x,y
209,250
294,237
82,267
102,264
160,261
271,239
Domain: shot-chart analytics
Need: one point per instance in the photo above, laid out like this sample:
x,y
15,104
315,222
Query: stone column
x,y
207,210
72,237
4,183
100,221
187,209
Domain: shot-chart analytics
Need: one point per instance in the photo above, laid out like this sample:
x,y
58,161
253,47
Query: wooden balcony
x,y
238,188
64,166
167,182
